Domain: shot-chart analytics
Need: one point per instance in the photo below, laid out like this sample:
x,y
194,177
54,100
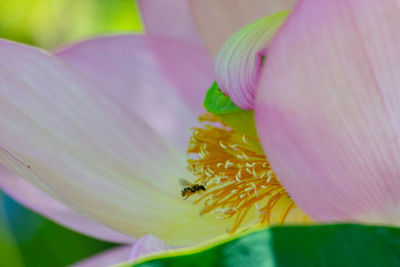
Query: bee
x,y
190,188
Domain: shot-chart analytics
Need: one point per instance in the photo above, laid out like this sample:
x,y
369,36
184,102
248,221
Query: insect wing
x,y
184,182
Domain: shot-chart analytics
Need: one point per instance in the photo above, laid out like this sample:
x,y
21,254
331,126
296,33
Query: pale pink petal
x,y
33,198
133,77
239,62
107,258
328,109
147,244
170,18
132,74
143,246
188,67
77,145
219,19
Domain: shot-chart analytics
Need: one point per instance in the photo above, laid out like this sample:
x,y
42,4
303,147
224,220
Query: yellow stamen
x,y
236,173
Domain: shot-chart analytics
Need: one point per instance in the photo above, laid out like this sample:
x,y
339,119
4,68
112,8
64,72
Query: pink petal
x,y
188,67
60,134
170,18
132,75
107,258
219,19
328,109
147,244
122,63
239,62
33,198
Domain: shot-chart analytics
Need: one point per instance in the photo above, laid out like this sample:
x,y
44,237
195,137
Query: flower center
x,y
235,173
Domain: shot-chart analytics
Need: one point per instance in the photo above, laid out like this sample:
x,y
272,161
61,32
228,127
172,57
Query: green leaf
x,y
287,246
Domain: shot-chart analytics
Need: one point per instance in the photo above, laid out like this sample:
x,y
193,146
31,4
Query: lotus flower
x,y
99,130
102,126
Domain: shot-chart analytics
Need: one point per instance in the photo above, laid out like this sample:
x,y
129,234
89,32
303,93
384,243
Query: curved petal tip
x,y
238,64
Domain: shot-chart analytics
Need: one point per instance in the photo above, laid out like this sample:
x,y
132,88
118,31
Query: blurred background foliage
x,y
26,238
51,23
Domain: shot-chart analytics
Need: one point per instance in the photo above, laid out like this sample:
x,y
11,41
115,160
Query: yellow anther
x,y
228,164
239,175
222,145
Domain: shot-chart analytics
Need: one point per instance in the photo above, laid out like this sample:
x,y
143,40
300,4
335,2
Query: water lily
x,y
99,132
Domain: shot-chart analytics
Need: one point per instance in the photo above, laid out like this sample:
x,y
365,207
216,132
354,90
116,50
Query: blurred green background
x,y
27,239
51,23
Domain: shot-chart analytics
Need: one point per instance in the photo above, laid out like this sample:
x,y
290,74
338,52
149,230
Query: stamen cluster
x,y
235,172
